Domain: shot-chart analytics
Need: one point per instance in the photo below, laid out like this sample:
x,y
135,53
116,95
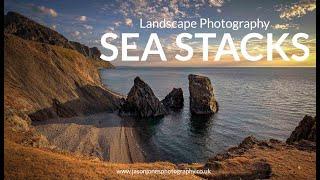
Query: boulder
x,y
306,130
202,99
174,100
141,102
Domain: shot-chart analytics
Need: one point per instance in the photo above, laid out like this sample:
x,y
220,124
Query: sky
x,y
86,21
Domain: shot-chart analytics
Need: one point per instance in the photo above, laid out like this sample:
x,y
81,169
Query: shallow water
x,y
264,102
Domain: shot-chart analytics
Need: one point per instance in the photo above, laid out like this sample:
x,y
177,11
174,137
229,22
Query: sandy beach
x,y
104,135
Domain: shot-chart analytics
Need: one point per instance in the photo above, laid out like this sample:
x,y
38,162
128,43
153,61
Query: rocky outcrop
x,y
304,135
202,98
247,144
174,100
19,25
257,158
141,102
92,53
226,165
306,130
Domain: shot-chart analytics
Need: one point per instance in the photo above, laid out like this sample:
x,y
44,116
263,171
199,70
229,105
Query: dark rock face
x,y
141,102
25,28
93,52
306,130
92,99
174,100
202,99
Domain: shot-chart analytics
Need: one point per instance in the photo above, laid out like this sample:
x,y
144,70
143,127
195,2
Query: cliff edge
x,y
21,26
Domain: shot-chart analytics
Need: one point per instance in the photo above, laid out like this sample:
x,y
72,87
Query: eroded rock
x,y
202,99
141,102
174,100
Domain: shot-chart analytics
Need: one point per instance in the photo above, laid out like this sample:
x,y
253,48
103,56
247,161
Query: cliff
x,y
19,25
47,81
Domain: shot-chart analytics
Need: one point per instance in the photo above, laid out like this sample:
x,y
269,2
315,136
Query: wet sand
x,y
103,135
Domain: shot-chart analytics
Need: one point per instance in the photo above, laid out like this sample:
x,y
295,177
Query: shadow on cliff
x,y
95,106
105,120
92,99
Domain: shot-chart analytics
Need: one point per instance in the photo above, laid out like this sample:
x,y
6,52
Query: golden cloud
x,y
297,10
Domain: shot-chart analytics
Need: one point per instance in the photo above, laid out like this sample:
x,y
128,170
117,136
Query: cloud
x,y
54,27
111,30
86,33
169,10
216,3
82,18
116,42
88,27
284,26
48,11
117,23
128,22
75,33
297,10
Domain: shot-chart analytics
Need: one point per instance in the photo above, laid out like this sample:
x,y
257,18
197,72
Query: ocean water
x,y
264,102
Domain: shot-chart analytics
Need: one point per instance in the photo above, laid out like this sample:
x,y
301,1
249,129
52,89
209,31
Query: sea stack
x,y
202,99
174,100
141,102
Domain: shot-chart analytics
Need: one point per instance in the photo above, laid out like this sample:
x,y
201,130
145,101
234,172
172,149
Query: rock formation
x,y
19,25
202,99
306,130
93,53
141,102
174,100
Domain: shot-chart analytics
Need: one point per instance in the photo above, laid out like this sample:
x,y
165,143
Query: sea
x,y
263,102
